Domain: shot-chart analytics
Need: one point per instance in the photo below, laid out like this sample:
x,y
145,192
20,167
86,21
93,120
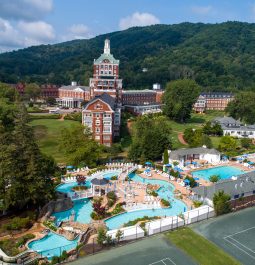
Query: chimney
x,y
107,46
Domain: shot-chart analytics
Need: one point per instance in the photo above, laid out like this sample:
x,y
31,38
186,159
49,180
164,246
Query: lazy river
x,y
83,208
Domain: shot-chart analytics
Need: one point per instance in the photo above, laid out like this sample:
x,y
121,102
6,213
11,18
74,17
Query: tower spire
x,y
107,46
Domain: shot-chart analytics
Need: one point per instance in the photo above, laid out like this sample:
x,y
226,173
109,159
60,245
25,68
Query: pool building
x,y
191,154
240,187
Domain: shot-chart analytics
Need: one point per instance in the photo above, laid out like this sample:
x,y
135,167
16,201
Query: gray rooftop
x,y
227,121
244,183
138,91
106,98
175,155
99,182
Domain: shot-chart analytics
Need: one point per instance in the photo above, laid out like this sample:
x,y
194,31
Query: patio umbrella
x,y
186,181
187,163
147,163
168,165
70,167
194,163
196,178
250,163
239,158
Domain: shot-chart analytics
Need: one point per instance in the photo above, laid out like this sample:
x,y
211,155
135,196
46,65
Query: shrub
x,y
221,203
17,223
111,195
197,204
165,203
51,225
152,193
214,178
101,235
118,209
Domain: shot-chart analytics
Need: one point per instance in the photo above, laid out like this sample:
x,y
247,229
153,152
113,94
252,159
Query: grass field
x,y
200,249
47,133
196,121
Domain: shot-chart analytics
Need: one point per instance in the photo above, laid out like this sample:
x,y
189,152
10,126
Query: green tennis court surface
x,y
234,233
155,250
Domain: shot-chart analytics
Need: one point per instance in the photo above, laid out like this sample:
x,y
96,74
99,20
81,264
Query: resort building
x,y
102,115
47,90
191,154
141,97
106,75
212,101
144,109
73,96
235,128
240,187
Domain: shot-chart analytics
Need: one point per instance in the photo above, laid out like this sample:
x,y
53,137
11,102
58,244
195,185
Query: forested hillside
x,y
217,56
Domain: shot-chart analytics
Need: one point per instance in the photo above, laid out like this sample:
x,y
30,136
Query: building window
x,y
97,137
97,122
107,137
97,130
236,196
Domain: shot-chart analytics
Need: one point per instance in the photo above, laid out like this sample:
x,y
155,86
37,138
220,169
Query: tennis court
x,y
155,250
234,233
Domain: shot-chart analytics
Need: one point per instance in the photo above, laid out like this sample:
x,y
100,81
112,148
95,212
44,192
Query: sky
x,y
24,23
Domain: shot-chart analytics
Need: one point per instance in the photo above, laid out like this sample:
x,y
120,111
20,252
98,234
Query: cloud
x,y
201,10
24,34
80,31
38,30
138,19
25,9
9,37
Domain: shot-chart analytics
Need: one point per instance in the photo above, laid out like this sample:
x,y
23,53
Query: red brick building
x,y
141,97
73,96
106,75
47,90
102,116
213,101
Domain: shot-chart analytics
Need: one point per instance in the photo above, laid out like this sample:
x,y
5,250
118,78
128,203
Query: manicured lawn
x,y
48,132
200,249
196,121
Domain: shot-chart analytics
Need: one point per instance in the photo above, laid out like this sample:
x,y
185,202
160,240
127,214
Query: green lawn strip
x,y
47,133
199,248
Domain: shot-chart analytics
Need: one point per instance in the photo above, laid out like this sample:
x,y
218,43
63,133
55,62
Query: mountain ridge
x,y
218,56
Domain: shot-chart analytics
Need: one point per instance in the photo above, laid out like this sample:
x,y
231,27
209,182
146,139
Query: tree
x,y
227,144
179,98
101,236
210,129
165,157
246,143
32,91
50,101
119,235
25,173
221,203
79,147
214,178
196,138
151,136
243,107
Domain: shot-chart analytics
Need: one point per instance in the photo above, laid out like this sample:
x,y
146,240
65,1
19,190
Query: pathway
x,y
181,139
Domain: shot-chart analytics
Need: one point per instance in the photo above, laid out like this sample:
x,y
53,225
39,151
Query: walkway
x,y
181,139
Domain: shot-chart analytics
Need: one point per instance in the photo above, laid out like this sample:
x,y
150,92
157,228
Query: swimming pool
x,y
81,209
52,245
224,172
165,192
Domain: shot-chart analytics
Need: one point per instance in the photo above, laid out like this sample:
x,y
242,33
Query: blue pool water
x,y
82,210
225,172
52,245
111,174
165,192
67,187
